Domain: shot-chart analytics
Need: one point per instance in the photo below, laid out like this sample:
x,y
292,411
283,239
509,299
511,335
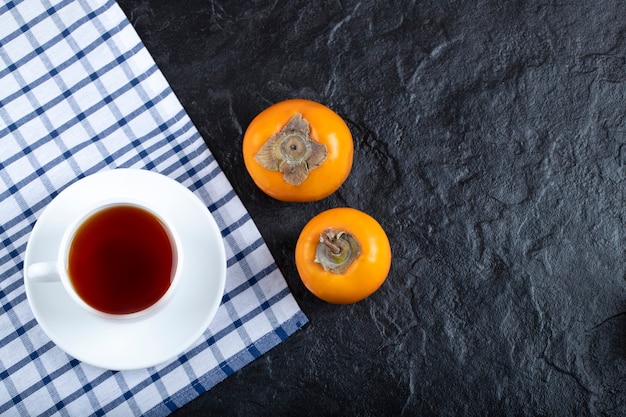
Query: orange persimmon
x,y
343,255
298,150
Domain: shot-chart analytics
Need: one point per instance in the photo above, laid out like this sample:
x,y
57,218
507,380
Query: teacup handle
x,y
44,272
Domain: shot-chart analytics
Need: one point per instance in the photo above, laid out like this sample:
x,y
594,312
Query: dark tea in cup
x,y
121,259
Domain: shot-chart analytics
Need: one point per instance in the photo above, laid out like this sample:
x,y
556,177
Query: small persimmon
x,y
343,255
298,150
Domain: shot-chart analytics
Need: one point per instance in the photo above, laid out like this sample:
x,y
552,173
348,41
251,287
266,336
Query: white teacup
x,y
119,259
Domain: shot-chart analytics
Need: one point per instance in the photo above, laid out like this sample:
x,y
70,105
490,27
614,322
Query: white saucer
x,y
119,344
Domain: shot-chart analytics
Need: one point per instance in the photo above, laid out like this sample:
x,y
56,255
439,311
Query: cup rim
x,y
70,232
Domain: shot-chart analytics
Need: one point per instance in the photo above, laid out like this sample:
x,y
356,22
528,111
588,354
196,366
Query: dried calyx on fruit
x,y
292,151
336,250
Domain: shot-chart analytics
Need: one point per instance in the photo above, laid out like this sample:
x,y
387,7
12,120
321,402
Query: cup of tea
x,y
119,259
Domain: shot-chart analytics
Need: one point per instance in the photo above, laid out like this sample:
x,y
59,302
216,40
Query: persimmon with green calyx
x,y
343,255
298,150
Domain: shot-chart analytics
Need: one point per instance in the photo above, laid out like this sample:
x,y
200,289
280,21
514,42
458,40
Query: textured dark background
x,y
490,143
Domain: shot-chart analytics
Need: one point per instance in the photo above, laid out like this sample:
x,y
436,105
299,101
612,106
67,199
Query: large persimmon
x,y
298,150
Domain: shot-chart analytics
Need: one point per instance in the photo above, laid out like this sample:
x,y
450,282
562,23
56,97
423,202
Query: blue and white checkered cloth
x,y
79,93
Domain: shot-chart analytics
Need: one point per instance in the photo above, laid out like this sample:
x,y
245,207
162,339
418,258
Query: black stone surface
x,y
490,143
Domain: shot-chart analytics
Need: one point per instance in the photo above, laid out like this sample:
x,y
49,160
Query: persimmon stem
x,y
326,241
336,250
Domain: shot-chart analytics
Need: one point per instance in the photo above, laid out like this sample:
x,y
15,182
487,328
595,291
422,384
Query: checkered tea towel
x,y
79,93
